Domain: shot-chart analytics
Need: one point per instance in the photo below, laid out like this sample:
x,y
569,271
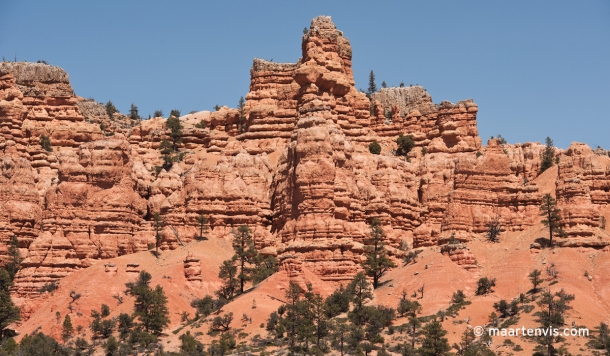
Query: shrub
x,y
158,113
49,287
222,323
485,285
405,144
105,310
201,124
493,229
110,109
45,142
375,148
204,306
458,297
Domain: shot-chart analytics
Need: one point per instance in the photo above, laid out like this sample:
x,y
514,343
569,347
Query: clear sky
x,y
535,68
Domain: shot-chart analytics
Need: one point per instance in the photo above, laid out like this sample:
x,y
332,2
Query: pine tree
x,y
133,112
228,273
125,325
550,212
173,123
434,342
241,107
405,144
14,257
110,109
552,309
535,278
167,149
413,330
159,223
264,267
377,260
150,306
360,289
548,155
203,225
67,329
372,86
383,84
245,252
8,311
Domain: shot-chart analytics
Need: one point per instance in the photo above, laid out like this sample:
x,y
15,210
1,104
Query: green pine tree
x,y
372,86
14,257
241,107
245,254
377,260
548,155
175,126
550,212
434,342
67,329
133,112
150,306
158,224
8,311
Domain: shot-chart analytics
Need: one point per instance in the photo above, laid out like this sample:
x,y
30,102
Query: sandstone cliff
x,y
294,165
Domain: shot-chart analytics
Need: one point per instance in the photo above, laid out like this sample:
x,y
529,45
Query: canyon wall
x,y
293,164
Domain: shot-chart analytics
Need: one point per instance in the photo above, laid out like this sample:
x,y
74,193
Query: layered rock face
x,y
50,106
272,100
93,211
446,127
583,195
324,192
95,113
293,164
487,189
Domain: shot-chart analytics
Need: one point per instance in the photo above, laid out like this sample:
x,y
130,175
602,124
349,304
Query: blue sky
x,y
535,68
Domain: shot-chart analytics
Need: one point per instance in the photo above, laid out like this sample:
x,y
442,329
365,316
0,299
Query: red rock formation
x,y
93,197
460,254
192,271
439,128
485,189
272,100
583,184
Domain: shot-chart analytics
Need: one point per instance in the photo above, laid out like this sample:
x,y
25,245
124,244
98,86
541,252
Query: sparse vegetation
x,y
494,229
201,124
110,109
535,278
375,148
485,285
45,142
133,113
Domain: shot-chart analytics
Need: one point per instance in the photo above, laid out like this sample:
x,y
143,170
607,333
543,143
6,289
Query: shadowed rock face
x,y
293,164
